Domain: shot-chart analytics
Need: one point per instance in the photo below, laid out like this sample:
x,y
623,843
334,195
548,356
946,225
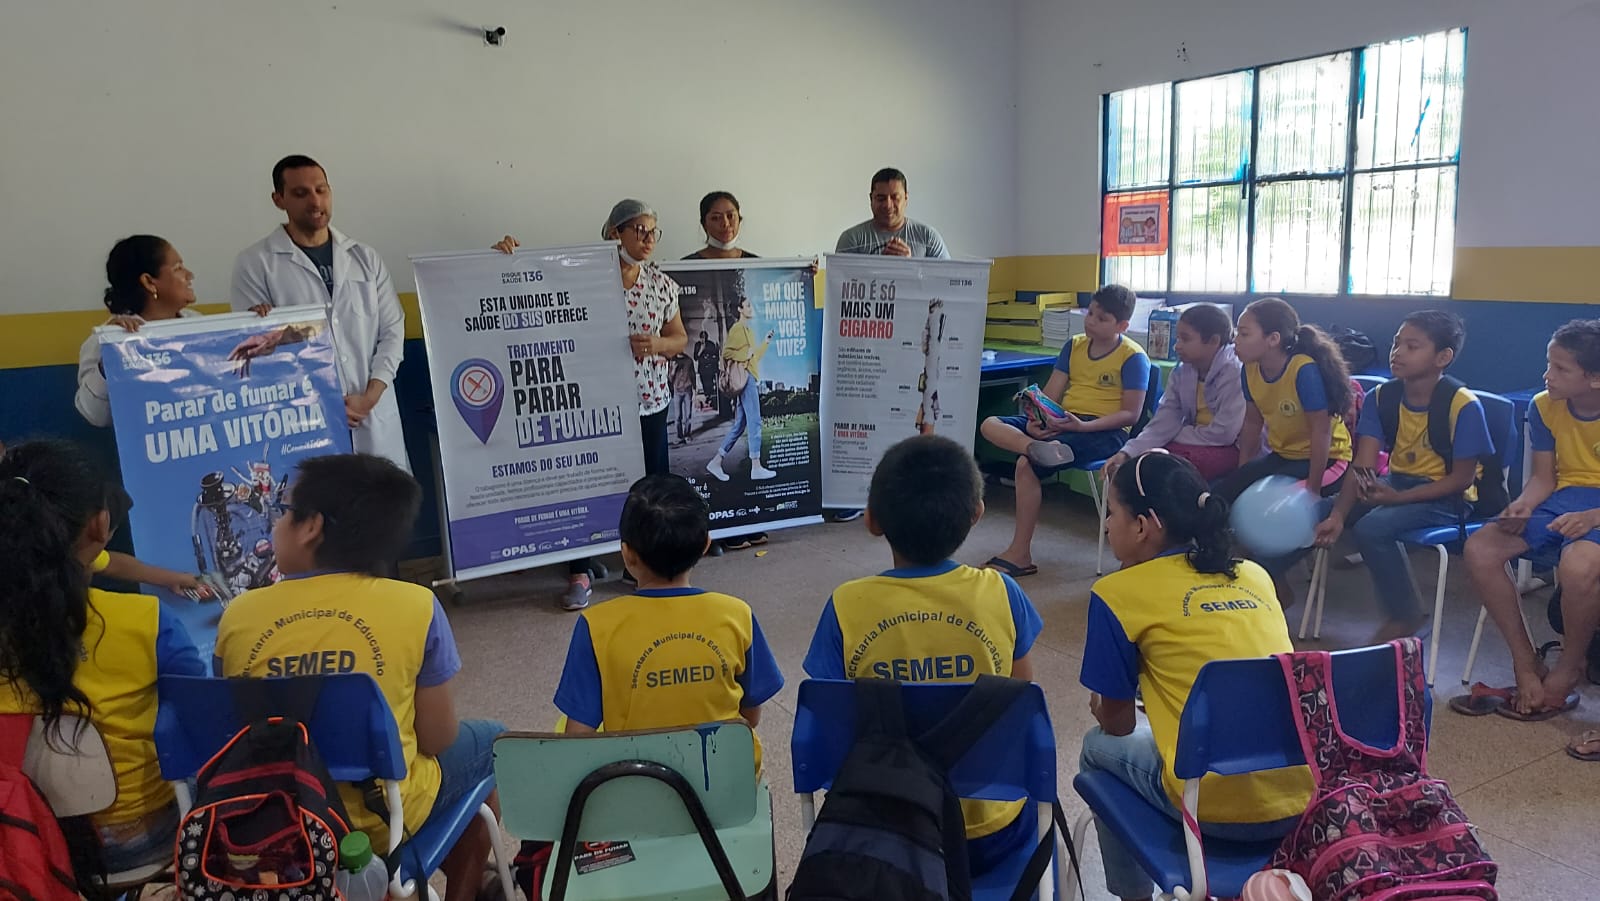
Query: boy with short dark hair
x,y
1558,510
1100,379
669,654
946,622
1423,488
347,516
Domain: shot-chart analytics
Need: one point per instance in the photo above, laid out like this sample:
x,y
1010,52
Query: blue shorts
x,y
1574,499
467,762
1087,447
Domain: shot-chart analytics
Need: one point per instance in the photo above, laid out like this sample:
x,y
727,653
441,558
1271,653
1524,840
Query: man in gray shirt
x,y
889,231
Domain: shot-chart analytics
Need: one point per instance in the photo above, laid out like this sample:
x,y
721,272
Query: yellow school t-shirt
x,y
1152,626
343,623
1095,385
1576,442
942,623
1284,402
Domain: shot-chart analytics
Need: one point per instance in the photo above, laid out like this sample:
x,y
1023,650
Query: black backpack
x,y
266,819
892,803
1491,480
1357,349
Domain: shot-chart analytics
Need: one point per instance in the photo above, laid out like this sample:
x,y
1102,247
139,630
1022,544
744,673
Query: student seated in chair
x,y
1422,488
68,649
703,655
1181,600
347,516
1100,379
948,622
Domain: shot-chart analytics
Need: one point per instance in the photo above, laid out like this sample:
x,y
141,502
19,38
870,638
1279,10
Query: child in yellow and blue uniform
x,y
669,654
1422,489
348,515
1297,387
1557,511
947,622
1100,379
1180,601
88,652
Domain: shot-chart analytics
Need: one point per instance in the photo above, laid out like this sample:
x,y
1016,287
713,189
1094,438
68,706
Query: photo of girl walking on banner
x,y
747,438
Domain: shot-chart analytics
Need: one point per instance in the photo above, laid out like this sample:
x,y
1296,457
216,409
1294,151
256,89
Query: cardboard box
x,y
1162,337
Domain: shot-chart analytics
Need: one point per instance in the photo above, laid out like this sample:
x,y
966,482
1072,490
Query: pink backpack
x,y
1377,826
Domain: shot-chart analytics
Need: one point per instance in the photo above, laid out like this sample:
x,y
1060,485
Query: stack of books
x,y
1060,325
1022,323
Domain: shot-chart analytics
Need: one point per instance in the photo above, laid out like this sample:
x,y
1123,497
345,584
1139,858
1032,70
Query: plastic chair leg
x,y
1316,592
1097,490
498,843
1080,832
1472,652
1438,613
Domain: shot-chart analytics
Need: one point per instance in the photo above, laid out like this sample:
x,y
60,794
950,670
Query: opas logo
x,y
478,390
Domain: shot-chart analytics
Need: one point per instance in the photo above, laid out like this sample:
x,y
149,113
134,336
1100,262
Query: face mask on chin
x,y
729,244
627,257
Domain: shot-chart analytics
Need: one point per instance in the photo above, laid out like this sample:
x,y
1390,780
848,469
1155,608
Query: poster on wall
x,y
211,415
903,348
1134,224
533,391
742,427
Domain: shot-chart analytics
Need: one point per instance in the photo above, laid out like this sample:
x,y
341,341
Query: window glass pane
x,y
1138,136
1208,239
1411,93
1298,237
1304,116
1402,232
1213,128
1139,273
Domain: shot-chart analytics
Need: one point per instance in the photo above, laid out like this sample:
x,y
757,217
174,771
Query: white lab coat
x,y
92,400
369,326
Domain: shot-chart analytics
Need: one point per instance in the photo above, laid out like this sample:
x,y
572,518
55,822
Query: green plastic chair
x,y
687,801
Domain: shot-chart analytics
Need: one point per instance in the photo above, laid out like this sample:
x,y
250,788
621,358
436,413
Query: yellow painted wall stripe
x,y
1527,274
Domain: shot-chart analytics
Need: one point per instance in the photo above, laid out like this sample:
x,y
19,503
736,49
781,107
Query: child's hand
x,y
1328,531
1514,517
180,583
1576,525
1379,493
1115,463
1037,430
1067,423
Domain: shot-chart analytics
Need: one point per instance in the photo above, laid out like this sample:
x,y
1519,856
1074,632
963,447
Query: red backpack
x,y
1377,827
34,861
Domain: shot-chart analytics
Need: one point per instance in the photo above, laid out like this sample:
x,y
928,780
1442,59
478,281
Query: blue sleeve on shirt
x,y
578,694
176,654
1368,425
1539,434
1471,439
1110,660
440,658
1024,616
1064,358
1308,384
1136,373
761,678
1244,382
825,659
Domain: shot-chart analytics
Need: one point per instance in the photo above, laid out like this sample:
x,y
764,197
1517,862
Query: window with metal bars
x,y
1329,175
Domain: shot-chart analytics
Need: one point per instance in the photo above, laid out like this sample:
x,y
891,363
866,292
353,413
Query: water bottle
x,y
362,875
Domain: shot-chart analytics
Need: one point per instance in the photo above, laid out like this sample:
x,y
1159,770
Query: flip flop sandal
x,y
1009,568
1509,710
1481,700
1585,746
759,538
737,544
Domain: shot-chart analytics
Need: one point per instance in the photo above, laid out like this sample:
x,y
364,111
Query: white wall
x,y
166,116
1530,126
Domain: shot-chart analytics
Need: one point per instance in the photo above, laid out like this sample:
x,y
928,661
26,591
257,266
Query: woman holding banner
x,y
148,283
656,333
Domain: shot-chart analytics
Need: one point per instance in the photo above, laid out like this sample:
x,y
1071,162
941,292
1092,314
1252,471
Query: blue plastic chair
x,y
1238,720
1500,415
354,732
1016,758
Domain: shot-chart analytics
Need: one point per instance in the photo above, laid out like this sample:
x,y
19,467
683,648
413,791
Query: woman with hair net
x,y
656,332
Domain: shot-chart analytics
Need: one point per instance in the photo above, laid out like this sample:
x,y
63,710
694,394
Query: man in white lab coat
x,y
306,261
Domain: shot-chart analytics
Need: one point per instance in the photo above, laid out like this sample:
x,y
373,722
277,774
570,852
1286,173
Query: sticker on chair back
x,y
594,856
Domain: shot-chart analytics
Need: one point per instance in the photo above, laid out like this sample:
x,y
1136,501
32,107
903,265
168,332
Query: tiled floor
x,y
1536,808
